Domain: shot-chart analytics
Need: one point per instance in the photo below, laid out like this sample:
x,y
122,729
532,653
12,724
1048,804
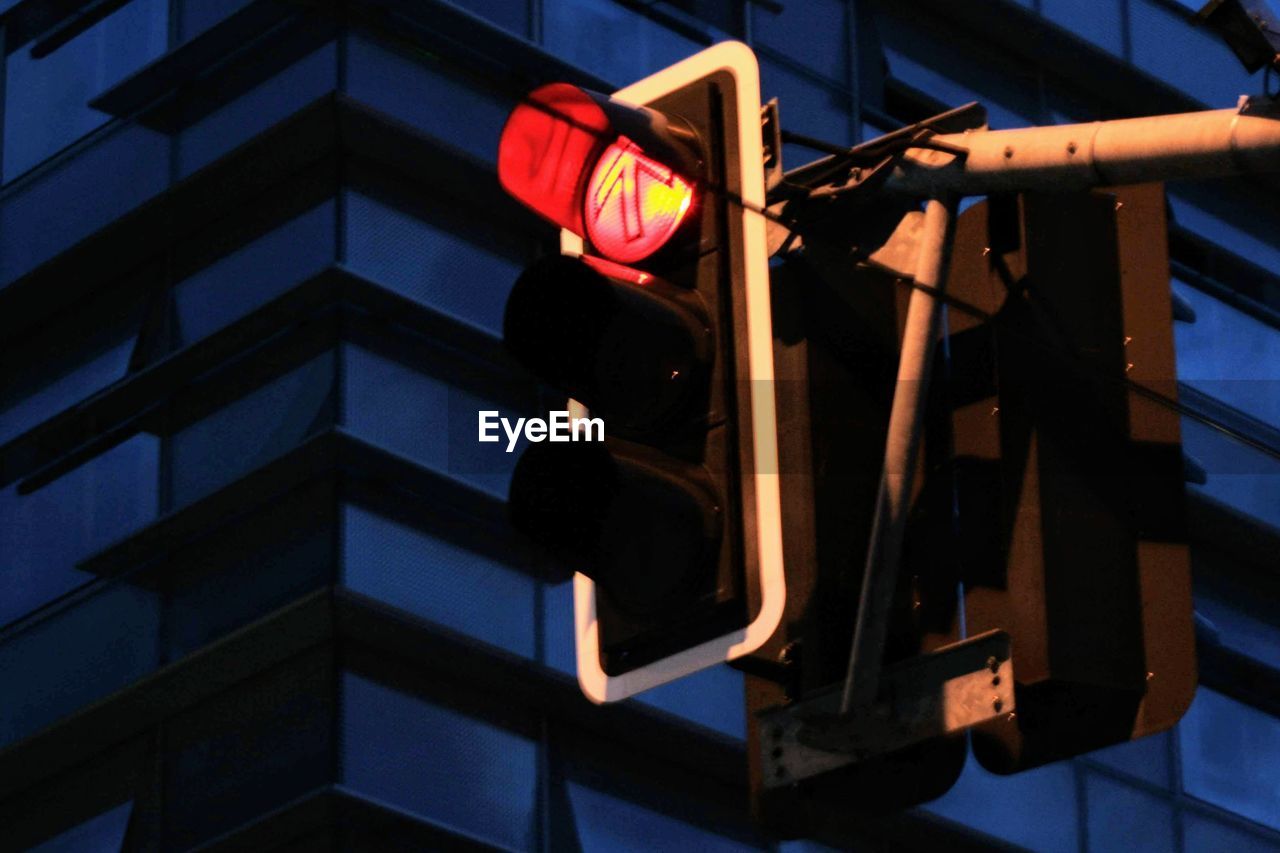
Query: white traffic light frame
x,y
738,60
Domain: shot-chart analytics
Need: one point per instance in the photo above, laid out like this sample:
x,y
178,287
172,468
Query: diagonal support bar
x,y
879,579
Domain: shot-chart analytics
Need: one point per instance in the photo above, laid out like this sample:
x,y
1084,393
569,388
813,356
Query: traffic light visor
x,y
547,149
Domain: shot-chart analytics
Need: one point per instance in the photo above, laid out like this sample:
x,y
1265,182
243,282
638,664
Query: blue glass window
x,y
1230,752
613,42
419,91
1229,355
253,430
424,418
1123,817
1240,476
808,108
253,275
457,771
815,34
46,99
430,264
76,656
196,16
23,406
1204,833
45,533
438,580
608,823
1100,21
1190,58
80,194
1145,758
714,698
268,103
1255,632
1036,809
102,833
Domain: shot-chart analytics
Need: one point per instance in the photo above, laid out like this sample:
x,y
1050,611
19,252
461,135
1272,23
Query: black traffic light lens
x,y
637,355
647,532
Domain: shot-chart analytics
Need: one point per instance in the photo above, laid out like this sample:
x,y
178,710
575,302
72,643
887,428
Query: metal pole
x,y
879,578
1205,144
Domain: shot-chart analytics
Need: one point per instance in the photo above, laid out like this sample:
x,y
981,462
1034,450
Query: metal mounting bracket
x,y
953,688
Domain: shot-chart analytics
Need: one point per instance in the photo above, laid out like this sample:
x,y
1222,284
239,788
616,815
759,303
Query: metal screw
x,y
995,682
1071,148
1008,152
998,704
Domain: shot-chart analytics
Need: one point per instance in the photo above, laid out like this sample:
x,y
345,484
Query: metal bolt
x,y
995,682
998,704
1008,152
1071,148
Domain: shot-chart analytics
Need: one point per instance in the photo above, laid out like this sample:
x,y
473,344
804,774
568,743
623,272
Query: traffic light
x,y
1068,468
654,318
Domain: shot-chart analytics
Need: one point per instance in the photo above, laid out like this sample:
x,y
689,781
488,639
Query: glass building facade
x,y
257,590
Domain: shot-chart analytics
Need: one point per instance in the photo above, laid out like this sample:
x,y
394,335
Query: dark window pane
x,y
1238,475
1146,758
266,104
714,698
428,264
421,92
1205,833
1251,627
45,533
438,580
808,108
511,15
1229,355
1230,752
454,770
1203,215
814,33
245,570
253,275
79,195
249,750
1124,818
1190,58
559,650
608,823
1100,22
1036,808
425,419
75,657
196,16
46,99
615,43
101,834
63,385
253,430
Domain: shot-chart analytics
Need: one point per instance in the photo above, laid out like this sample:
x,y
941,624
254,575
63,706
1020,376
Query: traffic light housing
x,y
655,317
1068,469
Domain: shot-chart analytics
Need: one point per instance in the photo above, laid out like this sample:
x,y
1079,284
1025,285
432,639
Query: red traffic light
x,y
617,175
634,203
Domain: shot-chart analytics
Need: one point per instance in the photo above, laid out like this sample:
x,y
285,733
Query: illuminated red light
x,y
634,204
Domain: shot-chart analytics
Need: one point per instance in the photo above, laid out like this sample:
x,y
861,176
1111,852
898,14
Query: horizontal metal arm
x,y
1206,144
